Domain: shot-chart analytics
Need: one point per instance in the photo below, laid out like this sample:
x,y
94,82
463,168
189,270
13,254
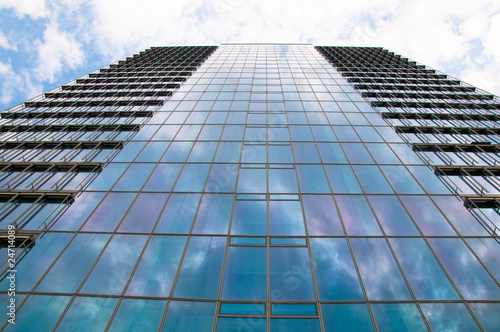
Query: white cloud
x,y
460,39
33,8
58,51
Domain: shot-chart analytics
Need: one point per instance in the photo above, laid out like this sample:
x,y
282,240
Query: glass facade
x,y
252,188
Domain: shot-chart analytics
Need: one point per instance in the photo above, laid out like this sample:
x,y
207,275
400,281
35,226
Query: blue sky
x,y
46,43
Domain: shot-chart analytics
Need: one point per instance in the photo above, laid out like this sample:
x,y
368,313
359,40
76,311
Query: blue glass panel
x,y
202,152
488,251
109,213
294,325
427,179
428,218
345,134
255,133
290,274
134,177
71,268
294,309
152,152
379,272
357,153
112,271
177,152
178,214
228,152
166,133
306,153
36,261
321,215
280,154
346,317
243,308
336,276
210,132
192,178
423,272
285,218
459,216
129,151
342,179
78,212
382,153
187,316
301,133
249,218
368,134
248,240
357,216
331,153
105,180
252,180
222,178
293,241
278,134
253,153
188,133
143,214
213,214
448,317
138,315
487,314
283,181
398,317
88,314
39,313
163,177
469,276
392,216
323,133
312,179
233,132
401,180
146,132
156,271
372,180
245,276
199,276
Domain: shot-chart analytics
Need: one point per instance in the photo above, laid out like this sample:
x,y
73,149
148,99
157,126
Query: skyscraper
x,y
252,188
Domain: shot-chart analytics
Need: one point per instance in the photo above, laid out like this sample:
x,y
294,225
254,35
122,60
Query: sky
x,y
46,43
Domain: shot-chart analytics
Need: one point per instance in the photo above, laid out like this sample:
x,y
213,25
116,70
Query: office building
x,y
253,187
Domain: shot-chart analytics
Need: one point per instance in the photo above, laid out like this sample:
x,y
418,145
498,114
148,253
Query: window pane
x,y
230,324
321,215
192,178
441,316
283,181
199,276
245,276
143,214
178,214
312,179
401,180
228,152
112,271
249,218
285,218
346,317
357,216
202,152
336,276
109,213
156,271
213,214
78,212
252,180
286,283
183,316
68,272
294,325
138,315
372,180
177,152
393,217
134,177
342,179
163,177
222,178
423,272
39,313
88,313
428,218
396,317
305,153
379,272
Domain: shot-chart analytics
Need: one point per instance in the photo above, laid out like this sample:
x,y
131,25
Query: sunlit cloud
x,y
49,42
